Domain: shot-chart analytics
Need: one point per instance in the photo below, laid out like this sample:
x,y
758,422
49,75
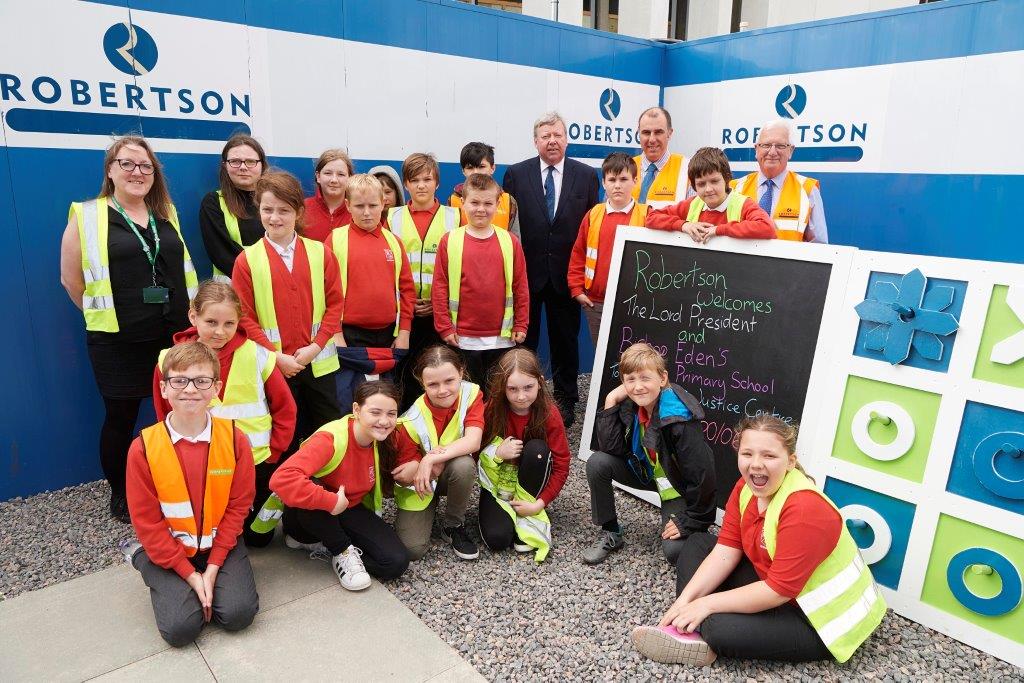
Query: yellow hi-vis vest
x,y
422,252
636,218
793,209
273,509
733,208
534,531
245,396
669,186
502,216
840,599
98,298
263,293
419,423
172,491
456,242
339,245
231,223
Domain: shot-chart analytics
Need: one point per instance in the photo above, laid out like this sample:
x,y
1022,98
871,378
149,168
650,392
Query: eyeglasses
x,y
180,382
145,168
766,146
237,163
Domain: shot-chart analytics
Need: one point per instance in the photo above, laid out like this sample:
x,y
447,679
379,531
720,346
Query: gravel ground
x,y
511,619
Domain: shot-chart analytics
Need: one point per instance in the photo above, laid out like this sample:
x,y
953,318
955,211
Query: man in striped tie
x,y
663,180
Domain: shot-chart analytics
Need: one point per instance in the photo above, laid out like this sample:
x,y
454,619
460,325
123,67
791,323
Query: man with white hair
x,y
792,200
663,179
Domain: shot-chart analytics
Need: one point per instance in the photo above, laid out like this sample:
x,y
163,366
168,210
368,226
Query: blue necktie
x,y
766,197
549,193
645,184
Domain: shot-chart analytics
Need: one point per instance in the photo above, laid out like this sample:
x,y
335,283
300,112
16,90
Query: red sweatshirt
x,y
370,295
578,259
807,533
754,223
292,480
556,441
279,396
482,292
293,299
150,524
422,219
318,220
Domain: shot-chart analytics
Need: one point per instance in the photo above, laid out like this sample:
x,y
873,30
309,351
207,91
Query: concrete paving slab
x,y
173,665
460,673
368,635
78,629
283,575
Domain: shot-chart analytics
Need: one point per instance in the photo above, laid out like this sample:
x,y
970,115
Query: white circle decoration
x,y
904,435
883,534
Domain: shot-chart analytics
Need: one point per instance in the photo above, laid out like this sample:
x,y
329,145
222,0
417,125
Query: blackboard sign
x,y
737,330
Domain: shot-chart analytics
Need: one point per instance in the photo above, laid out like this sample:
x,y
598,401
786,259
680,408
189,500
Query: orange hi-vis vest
x,y
502,217
172,491
793,209
669,186
636,218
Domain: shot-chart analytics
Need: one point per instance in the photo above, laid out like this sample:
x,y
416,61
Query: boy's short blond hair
x,y
480,182
184,356
361,182
639,357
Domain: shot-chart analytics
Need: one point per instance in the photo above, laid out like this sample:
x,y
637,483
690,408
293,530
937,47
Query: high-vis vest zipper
x,y
98,298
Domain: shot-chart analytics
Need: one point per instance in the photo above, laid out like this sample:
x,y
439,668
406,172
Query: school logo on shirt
x,y
389,256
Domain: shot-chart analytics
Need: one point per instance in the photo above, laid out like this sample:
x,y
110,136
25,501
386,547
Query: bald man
x,y
663,180
792,200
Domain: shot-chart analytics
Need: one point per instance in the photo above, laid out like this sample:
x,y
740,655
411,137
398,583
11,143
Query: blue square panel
x,y
919,315
879,524
988,464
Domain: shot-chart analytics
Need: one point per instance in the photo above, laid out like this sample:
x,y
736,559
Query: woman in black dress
x,y
124,264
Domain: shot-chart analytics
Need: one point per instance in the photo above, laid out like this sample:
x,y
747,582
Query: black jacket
x,y
675,434
547,245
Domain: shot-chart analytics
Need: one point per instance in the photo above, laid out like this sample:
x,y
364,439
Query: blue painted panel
x,y
587,53
954,28
327,16
452,30
529,43
232,11
639,62
973,456
400,23
898,515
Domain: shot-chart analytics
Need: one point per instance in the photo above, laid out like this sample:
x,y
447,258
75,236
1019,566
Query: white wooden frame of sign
x,y
956,386
824,353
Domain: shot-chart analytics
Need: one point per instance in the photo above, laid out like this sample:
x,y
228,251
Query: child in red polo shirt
x,y
475,309
715,210
327,208
592,254
190,484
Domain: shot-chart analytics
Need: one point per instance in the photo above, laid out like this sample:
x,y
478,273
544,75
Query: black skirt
x,y
125,370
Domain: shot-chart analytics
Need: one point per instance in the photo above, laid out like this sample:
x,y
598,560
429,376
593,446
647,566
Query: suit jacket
x,y
547,244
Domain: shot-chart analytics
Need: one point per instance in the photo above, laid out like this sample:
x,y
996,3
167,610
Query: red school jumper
x,y
293,299
279,396
318,220
148,519
754,223
482,293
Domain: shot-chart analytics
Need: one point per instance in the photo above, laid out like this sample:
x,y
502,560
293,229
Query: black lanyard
x,y
151,254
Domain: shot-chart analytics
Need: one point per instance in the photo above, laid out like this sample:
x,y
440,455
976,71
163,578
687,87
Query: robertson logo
x,y
130,49
595,139
610,104
790,101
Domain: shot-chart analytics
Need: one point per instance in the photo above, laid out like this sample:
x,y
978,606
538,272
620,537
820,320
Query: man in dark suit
x,y
553,194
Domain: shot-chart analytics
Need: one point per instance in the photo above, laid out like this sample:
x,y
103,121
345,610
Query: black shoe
x,y
568,410
119,508
463,546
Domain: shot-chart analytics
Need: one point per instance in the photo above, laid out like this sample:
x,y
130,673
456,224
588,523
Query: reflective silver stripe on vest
x,y
97,303
841,625
177,510
422,278
226,279
453,305
273,334
96,270
266,514
259,439
189,541
428,258
239,411
833,588
328,351
96,273
592,253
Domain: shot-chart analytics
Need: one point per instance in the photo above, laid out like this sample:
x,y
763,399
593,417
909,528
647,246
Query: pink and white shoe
x,y
667,645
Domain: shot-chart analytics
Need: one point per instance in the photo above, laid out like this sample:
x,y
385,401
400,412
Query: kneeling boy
x,y
191,482
649,437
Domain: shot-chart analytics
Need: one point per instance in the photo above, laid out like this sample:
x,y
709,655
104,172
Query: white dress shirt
x,y
201,436
556,176
287,253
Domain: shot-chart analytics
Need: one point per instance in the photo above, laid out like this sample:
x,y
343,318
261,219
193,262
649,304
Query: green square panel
x,y
1004,334
886,427
975,573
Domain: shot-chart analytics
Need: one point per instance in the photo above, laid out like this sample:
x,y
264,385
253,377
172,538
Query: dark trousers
x,y
263,473
480,363
421,336
384,555
563,317
603,469
116,436
497,529
782,633
368,338
316,402
176,607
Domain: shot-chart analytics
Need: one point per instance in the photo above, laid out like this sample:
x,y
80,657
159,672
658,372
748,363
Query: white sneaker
x,y
308,547
350,570
521,547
